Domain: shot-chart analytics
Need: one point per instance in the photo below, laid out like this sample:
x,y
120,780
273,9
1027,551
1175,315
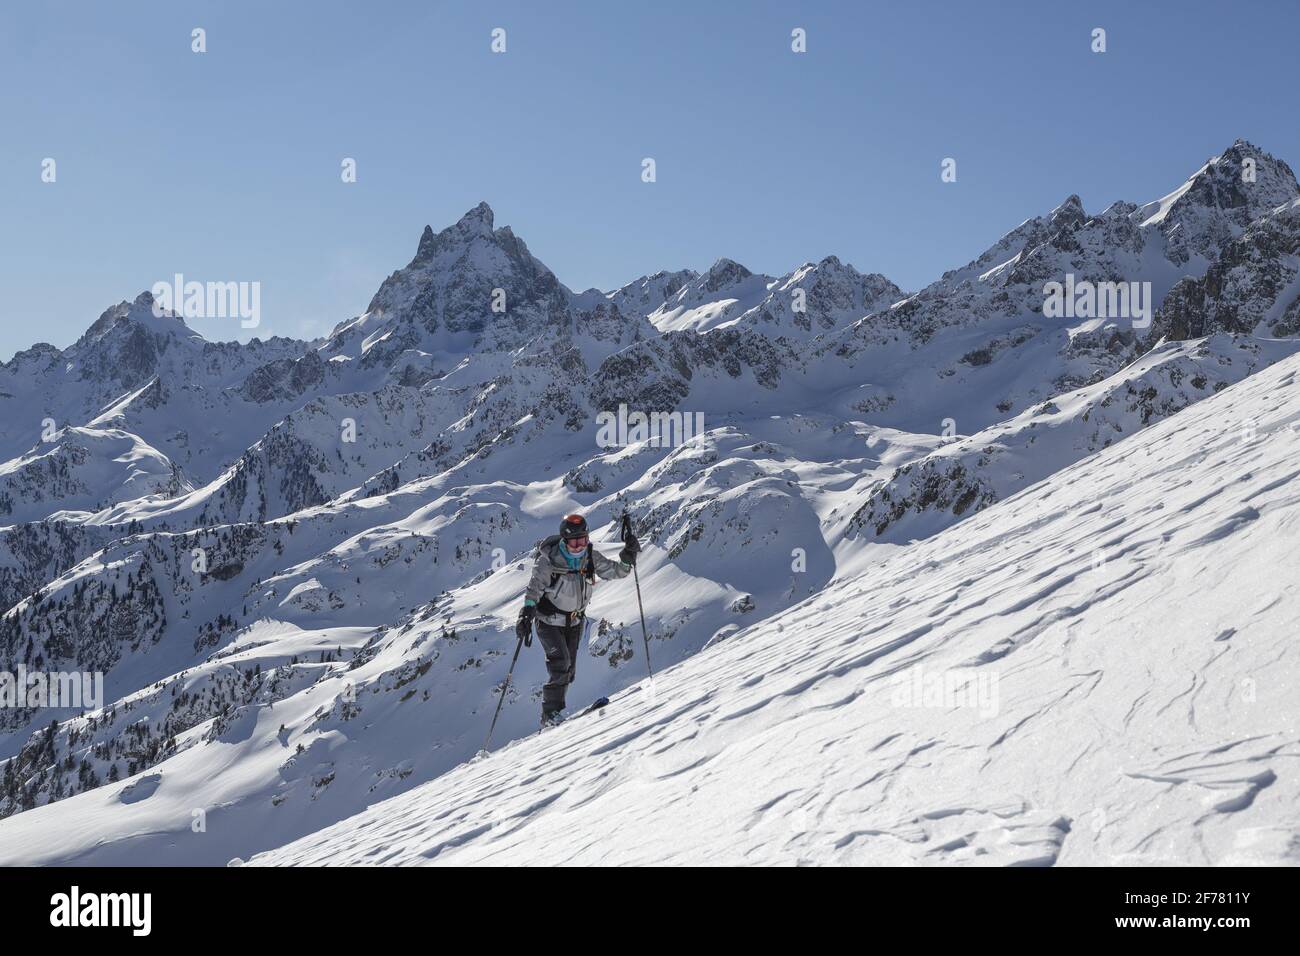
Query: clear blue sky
x,y
225,165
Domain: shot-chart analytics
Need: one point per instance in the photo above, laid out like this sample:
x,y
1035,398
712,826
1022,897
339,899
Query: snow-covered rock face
x,y
715,298
972,473
986,330
819,298
128,340
814,299
126,347
474,288
303,559
1159,242
1220,200
643,296
84,469
1251,287
450,287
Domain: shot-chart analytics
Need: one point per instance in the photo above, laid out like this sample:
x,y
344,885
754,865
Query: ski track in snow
x,y
1145,708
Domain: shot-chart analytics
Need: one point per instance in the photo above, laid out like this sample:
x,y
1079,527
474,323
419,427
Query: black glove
x,y
631,547
524,626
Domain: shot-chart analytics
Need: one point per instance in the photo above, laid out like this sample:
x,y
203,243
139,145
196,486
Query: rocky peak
x,y
42,354
1223,182
1068,215
723,273
1219,200
477,223
139,313
642,296
425,248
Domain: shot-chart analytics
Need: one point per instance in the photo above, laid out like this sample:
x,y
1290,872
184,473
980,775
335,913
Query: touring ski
x,y
598,704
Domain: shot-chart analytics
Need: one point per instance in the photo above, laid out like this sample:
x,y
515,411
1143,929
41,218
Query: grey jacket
x,y
557,590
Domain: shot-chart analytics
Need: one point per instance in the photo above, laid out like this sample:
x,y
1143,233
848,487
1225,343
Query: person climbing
x,y
558,591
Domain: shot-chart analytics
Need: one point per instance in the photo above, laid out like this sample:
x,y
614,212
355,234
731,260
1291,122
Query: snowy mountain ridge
x,y
297,563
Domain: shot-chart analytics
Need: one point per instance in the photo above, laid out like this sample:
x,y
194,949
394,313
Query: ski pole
x,y
636,578
504,688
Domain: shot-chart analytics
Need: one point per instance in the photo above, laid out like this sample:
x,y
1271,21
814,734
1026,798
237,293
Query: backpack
x,y
587,569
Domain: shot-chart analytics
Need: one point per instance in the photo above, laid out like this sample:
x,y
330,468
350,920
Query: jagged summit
x,y
646,294
141,312
473,287
1219,200
425,248
724,272
1072,206
479,219
476,222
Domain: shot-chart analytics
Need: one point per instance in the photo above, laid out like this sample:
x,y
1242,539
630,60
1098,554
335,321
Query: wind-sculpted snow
x,y
1099,671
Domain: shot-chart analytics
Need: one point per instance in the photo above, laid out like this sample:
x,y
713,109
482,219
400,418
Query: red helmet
x,y
573,526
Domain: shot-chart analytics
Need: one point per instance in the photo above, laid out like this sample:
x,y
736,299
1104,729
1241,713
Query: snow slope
x,y
81,469
1121,665
833,294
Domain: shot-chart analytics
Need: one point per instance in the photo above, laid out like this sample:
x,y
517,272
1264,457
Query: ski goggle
x,y
576,543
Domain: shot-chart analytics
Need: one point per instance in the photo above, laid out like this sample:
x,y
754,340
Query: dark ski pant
x,y
561,647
